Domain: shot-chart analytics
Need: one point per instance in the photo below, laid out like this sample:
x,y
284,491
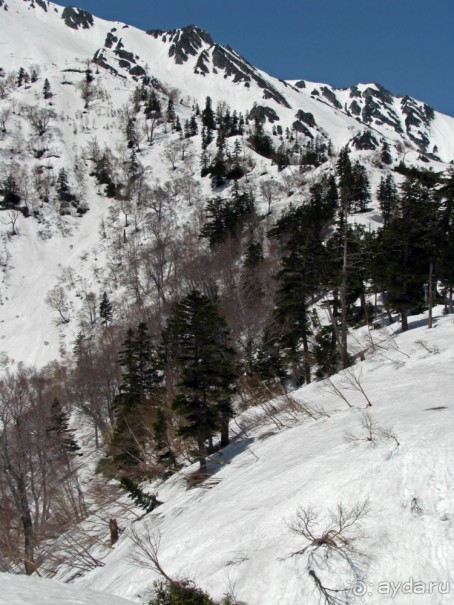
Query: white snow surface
x,y
232,533
23,590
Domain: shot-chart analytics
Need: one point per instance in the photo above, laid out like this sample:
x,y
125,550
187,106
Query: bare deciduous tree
x,y
4,117
333,542
56,299
12,216
270,190
39,119
373,432
38,477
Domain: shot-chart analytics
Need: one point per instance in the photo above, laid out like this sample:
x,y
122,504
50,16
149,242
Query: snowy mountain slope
x,y
68,251
22,590
189,59
234,532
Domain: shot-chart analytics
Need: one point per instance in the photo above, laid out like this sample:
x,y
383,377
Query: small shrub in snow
x,y
179,593
373,432
334,543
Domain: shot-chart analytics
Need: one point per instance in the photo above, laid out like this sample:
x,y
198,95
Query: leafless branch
x,y
147,545
339,537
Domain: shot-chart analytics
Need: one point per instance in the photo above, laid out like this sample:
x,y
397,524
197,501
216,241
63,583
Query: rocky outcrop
x,y
76,18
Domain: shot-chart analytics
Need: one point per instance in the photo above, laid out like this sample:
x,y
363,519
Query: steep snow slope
x,y
234,531
191,61
190,64
22,590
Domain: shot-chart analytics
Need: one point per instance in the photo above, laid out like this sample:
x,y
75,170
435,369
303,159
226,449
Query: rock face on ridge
x,y
76,18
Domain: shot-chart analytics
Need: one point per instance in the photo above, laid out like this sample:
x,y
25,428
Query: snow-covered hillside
x,y
232,533
339,492
66,252
21,590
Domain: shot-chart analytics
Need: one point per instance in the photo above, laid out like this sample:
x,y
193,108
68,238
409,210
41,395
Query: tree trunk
x,y
362,298
343,354
27,526
343,301
225,438
429,323
201,455
306,363
404,320
114,531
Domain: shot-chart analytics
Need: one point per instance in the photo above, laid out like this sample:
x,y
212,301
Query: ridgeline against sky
x,y
406,46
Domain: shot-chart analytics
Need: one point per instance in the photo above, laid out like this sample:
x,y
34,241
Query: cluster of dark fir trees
x,y
184,383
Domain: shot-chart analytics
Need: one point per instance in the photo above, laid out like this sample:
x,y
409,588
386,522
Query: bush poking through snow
x,y
169,591
332,544
179,593
56,299
373,432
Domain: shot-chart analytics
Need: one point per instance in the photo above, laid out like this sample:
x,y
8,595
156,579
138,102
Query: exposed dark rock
x,y
329,94
185,42
315,92
201,65
242,71
41,3
138,71
261,113
124,54
430,113
300,84
372,109
307,117
76,18
365,141
354,92
223,59
379,92
412,120
416,116
110,40
124,64
100,59
355,108
299,127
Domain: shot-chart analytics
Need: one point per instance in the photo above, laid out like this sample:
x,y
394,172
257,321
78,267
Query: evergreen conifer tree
x,y
105,309
63,185
140,380
205,361
303,273
153,106
385,154
445,199
47,93
407,245
60,436
208,119
388,197
146,502
10,191
170,112
20,76
359,188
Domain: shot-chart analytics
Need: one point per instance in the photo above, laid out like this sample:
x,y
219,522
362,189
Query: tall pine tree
x,y
207,371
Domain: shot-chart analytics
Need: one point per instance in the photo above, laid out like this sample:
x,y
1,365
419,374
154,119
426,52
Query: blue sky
x,y
405,45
